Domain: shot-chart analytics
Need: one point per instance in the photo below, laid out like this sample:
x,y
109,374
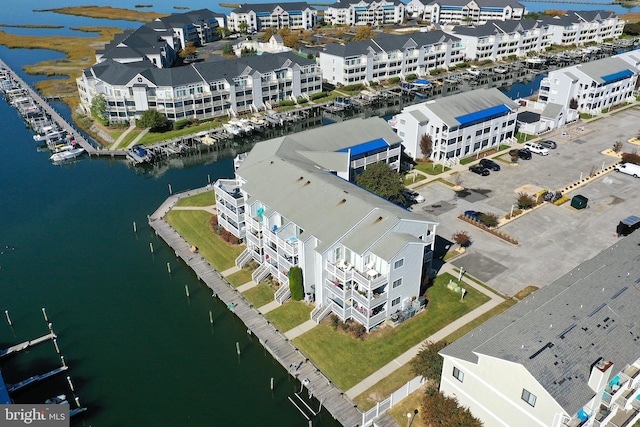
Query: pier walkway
x,y
281,348
80,140
26,344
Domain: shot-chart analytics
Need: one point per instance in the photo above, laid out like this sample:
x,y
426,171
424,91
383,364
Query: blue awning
x,y
366,147
583,415
450,7
263,14
620,75
4,394
360,9
483,115
295,12
422,82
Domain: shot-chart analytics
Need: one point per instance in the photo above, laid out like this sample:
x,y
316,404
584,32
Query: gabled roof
x,y
495,27
322,204
389,42
116,73
606,69
577,16
563,329
269,7
552,110
466,107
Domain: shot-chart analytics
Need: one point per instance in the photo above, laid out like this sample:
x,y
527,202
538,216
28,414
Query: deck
x,y
297,364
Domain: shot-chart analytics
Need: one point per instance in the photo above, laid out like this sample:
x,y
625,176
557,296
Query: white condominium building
x,y
459,125
466,11
258,16
365,13
362,257
580,27
389,56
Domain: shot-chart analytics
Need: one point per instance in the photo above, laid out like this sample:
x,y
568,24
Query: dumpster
x,y
579,202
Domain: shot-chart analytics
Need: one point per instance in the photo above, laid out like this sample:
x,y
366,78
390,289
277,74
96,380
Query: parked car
x,y
522,153
547,143
536,148
480,170
474,214
489,164
413,196
629,169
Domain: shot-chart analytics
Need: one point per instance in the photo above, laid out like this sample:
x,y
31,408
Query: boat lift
x,y
17,386
313,413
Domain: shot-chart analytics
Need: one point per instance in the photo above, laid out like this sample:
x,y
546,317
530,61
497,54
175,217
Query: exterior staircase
x,y
320,312
282,294
260,273
243,258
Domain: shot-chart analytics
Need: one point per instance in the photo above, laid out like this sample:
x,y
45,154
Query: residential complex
x,y
568,355
592,86
498,40
260,16
365,13
362,257
389,56
581,27
200,90
465,11
459,125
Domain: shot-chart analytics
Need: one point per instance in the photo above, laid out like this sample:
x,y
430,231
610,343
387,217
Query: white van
x,y
629,169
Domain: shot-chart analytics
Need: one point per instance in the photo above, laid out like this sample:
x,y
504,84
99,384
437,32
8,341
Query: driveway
x,y
552,239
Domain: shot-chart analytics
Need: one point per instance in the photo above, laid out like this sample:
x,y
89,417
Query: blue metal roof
x,y
366,147
4,394
360,9
450,7
483,115
263,13
620,75
295,12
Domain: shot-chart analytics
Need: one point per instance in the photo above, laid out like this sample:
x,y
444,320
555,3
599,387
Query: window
x,y
458,374
528,397
395,302
396,283
399,263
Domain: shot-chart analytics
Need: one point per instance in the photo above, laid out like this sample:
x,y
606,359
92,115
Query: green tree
x,y
364,33
243,27
189,51
428,363
228,49
267,34
223,31
152,119
440,410
295,283
99,108
381,179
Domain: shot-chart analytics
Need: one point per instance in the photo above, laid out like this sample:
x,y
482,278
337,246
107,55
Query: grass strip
x,y
259,295
240,277
206,198
194,227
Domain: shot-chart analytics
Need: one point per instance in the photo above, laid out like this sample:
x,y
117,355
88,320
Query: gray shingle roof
x,y
493,27
269,7
560,331
388,42
280,173
603,67
576,16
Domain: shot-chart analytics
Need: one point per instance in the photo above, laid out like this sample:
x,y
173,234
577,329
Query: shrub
x,y
428,363
411,77
394,80
489,219
525,201
462,238
352,87
617,147
302,100
286,103
318,95
631,158
437,407
334,320
295,283
181,124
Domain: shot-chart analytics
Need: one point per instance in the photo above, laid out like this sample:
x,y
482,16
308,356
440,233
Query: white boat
x,y
66,152
258,124
49,135
233,129
247,126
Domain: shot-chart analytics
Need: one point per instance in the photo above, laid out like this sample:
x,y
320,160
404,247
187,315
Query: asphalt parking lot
x,y
552,239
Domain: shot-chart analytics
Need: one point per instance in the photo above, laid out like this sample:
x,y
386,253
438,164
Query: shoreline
x,y
298,365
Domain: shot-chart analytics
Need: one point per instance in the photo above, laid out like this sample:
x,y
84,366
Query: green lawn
x,y
240,277
128,139
153,137
203,199
194,227
259,295
289,315
431,168
411,178
385,387
348,361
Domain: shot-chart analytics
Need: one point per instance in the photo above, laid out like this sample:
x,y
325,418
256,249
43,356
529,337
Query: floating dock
x,y
25,345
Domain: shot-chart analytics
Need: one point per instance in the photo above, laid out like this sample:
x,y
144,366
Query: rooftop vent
x,y
342,201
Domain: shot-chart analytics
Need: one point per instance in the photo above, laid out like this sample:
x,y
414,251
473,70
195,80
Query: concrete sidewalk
x,y
300,329
405,357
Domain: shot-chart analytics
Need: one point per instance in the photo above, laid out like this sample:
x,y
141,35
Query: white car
x,y
629,169
414,195
536,148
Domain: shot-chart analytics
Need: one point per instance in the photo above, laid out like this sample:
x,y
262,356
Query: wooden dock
x,y
66,126
284,351
26,344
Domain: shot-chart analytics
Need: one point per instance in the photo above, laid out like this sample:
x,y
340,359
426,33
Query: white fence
x,y
404,391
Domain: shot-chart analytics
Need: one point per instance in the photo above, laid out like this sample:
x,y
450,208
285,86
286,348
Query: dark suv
x,y
489,164
523,153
